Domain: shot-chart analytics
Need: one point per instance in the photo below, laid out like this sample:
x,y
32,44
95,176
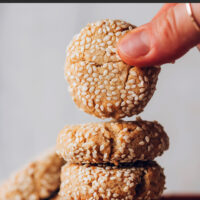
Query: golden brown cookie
x,y
113,142
100,83
37,180
139,181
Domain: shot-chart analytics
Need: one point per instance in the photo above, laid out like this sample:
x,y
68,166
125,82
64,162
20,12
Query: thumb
x,y
166,38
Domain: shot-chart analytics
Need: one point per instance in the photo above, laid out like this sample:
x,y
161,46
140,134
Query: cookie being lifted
x,y
100,83
112,142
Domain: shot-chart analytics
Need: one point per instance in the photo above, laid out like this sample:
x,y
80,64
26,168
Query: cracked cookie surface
x,y
139,181
100,83
112,142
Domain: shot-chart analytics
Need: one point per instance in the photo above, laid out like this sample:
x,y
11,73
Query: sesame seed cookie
x,y
112,142
100,83
139,181
37,180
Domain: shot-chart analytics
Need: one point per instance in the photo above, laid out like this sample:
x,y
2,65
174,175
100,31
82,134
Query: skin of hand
x,y
167,37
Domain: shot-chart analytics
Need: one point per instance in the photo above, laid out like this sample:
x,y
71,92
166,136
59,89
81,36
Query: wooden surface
x,y
181,197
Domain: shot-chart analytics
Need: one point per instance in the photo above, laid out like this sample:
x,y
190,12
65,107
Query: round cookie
x,y
37,180
139,181
112,142
100,83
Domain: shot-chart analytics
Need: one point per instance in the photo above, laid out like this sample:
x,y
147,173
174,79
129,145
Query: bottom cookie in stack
x,y
138,181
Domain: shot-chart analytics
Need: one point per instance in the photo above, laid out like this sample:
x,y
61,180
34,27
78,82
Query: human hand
x,y
167,37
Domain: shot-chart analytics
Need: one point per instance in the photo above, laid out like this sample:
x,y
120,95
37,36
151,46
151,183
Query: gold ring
x,y
190,13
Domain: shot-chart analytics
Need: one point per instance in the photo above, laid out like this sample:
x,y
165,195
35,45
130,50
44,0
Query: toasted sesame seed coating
x,y
100,83
37,180
112,142
142,181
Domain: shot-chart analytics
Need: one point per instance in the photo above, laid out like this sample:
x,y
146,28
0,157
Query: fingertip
x,y
123,55
134,45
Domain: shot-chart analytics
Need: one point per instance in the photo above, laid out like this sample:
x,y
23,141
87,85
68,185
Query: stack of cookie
x,y
109,160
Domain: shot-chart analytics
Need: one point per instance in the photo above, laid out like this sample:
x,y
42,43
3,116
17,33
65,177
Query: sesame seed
x,y
97,91
84,88
147,139
102,147
105,82
128,101
112,88
94,74
115,71
114,80
90,79
123,103
91,89
90,70
133,73
82,63
141,96
90,104
82,42
129,97
100,31
97,106
106,38
102,108
141,143
117,103
102,44
108,98
105,72
94,58
88,39
86,76
127,87
110,67
98,96
115,98
131,81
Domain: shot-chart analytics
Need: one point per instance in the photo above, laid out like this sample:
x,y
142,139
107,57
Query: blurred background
x,y
35,104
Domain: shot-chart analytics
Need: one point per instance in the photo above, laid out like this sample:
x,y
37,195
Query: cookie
x,y
139,181
113,142
100,83
37,180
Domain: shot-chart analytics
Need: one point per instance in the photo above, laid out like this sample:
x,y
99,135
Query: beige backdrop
x,y
35,104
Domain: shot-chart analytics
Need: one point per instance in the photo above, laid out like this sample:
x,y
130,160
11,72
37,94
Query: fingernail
x,y
135,44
